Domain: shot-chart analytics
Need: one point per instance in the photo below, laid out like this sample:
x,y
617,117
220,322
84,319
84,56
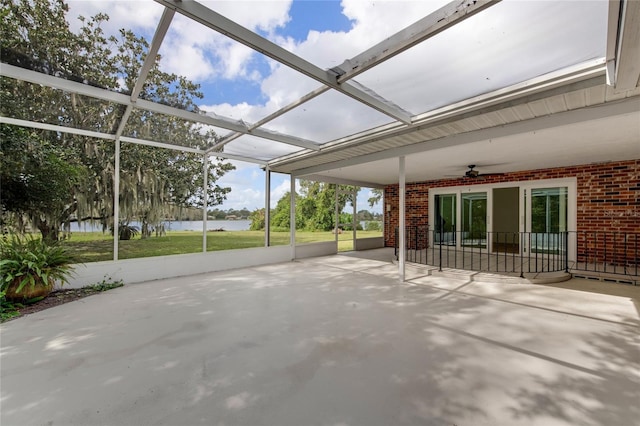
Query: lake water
x,y
185,225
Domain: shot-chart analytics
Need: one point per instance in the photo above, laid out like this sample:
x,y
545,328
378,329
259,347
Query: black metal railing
x,y
603,252
523,252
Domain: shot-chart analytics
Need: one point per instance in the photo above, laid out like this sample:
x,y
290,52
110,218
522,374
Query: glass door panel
x,y
548,219
505,231
445,219
474,219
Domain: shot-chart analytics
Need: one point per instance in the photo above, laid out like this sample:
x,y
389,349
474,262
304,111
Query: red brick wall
x,y
608,199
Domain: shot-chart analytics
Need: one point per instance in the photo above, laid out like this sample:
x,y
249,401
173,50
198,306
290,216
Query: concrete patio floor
x,y
328,341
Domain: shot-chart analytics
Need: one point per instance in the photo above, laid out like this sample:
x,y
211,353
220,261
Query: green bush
x,y
373,225
32,262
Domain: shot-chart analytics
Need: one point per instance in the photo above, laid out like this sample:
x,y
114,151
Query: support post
x,y
267,206
205,200
401,220
292,217
354,221
337,216
116,201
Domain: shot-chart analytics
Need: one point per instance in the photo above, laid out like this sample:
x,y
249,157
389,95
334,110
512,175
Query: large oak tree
x,y
36,35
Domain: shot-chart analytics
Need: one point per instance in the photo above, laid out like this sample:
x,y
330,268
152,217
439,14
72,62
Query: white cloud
x,y
189,48
245,186
247,112
139,16
201,54
278,192
240,198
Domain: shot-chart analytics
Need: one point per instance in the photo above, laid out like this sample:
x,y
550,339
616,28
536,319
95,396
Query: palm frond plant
x,y
30,268
126,231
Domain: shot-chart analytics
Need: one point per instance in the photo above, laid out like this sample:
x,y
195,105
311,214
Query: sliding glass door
x,y
548,219
474,219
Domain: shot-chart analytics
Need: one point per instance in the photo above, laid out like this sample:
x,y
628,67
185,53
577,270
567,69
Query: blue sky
x,y
305,16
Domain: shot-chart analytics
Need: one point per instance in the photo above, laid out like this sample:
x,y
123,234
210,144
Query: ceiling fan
x,y
473,174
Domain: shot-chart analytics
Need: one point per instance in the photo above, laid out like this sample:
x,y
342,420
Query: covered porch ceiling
x,y
503,85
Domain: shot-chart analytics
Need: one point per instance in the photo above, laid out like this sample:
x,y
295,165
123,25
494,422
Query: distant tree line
x,y
315,209
220,214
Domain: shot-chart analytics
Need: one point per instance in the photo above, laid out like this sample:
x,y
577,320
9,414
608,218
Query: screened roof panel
x,y
508,43
157,127
369,23
86,50
329,116
33,102
228,73
259,148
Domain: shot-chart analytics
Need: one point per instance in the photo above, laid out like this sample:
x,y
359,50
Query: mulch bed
x,y
55,298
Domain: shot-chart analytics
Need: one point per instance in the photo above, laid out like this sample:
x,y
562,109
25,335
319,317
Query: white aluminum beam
x,y
56,128
123,121
238,158
267,206
340,181
612,40
164,145
402,243
427,27
150,60
18,73
229,28
106,136
205,200
627,48
292,216
116,201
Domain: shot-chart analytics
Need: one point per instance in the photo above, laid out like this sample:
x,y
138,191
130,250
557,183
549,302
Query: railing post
x,y
624,257
395,244
522,239
566,252
416,245
604,258
440,250
462,245
636,253
433,247
455,255
497,238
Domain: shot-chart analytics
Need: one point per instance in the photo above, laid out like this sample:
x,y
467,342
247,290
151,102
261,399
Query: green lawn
x,y
96,246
